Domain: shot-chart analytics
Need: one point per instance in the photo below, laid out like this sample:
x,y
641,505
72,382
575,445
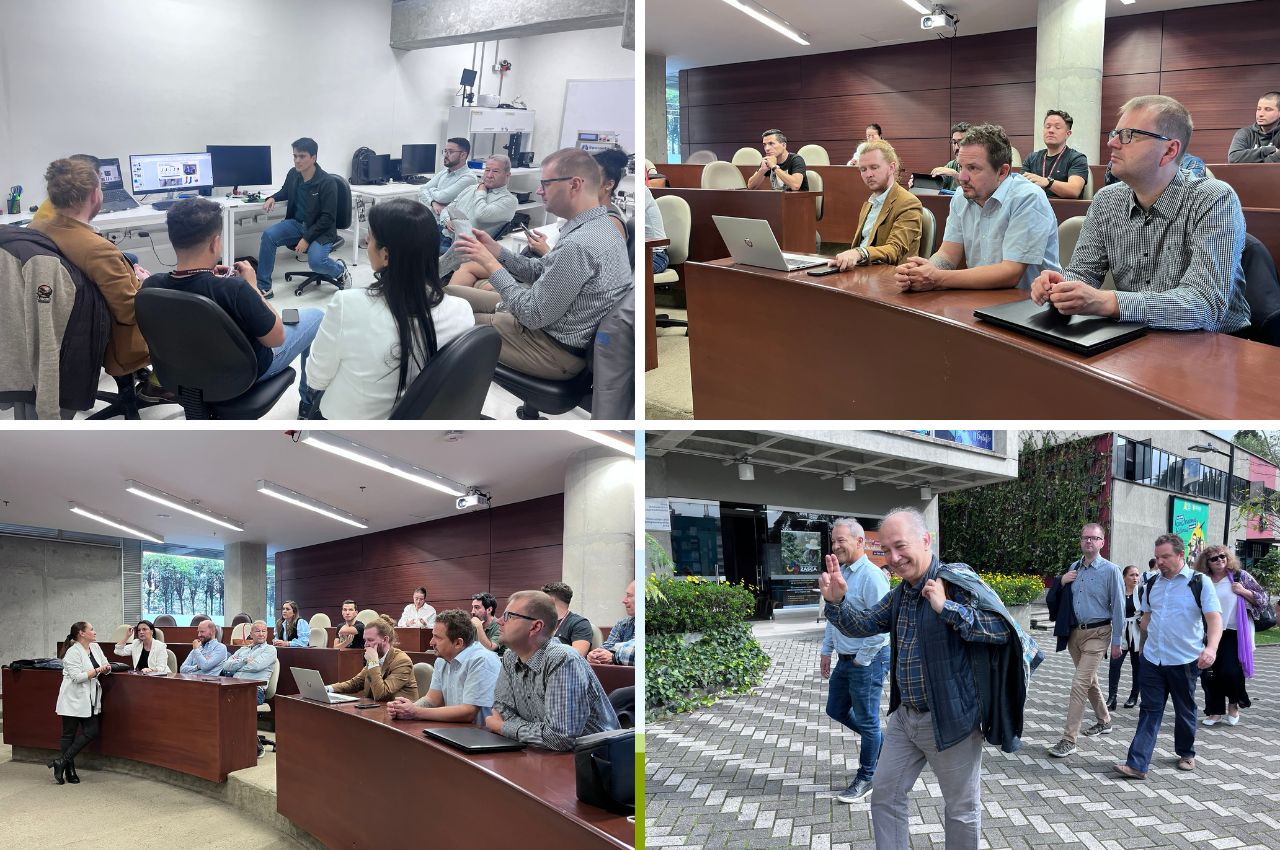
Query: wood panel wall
x,y
1215,59
509,548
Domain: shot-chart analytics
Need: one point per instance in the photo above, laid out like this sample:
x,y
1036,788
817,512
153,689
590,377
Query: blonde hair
x,y
386,628
890,155
71,182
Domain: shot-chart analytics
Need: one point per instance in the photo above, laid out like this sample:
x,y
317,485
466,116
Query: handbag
x,y
1266,619
606,770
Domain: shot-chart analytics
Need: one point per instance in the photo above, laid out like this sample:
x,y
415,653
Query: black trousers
x,y
72,743
1117,667
1224,681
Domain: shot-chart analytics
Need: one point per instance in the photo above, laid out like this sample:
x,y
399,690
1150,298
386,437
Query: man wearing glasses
x,y
445,186
1087,605
951,171
546,309
1171,242
546,694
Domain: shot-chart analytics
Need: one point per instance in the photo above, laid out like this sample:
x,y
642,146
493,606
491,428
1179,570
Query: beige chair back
x,y
367,616
422,671
160,634
648,166
1208,173
319,637
677,221
1017,158
1088,186
173,661
722,175
320,620
1068,235
814,155
240,631
597,637
814,179
928,230
701,157
121,633
274,680
747,156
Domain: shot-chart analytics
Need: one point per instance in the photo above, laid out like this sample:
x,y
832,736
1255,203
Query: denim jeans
x,y
1159,683
853,700
297,341
660,262
288,232
446,241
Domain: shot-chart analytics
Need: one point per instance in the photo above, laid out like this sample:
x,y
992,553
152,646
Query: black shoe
x,y
344,279
58,766
1111,704
155,394
72,776
267,293
1131,701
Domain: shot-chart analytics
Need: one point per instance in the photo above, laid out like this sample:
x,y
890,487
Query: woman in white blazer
x,y
79,698
148,654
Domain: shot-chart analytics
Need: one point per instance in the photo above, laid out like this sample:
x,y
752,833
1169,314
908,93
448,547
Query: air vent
x,y
131,580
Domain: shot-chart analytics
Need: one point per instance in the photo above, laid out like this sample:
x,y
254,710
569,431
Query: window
x,y
272,613
696,546
181,586
1142,463
673,117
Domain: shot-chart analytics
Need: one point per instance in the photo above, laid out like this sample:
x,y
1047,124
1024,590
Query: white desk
x,y
374,194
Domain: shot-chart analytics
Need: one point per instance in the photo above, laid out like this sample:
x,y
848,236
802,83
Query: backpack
x,y
361,161
36,664
1197,585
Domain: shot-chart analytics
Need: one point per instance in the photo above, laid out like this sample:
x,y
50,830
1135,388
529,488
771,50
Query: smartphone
x,y
823,271
289,316
525,228
368,705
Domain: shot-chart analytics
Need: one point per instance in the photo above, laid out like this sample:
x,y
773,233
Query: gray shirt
x,y
487,209
445,186
1098,594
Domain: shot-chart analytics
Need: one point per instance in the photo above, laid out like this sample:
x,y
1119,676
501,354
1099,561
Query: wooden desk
x,y
180,651
531,791
1257,184
650,322
924,355
334,665
792,215
147,719
428,657
414,640
614,676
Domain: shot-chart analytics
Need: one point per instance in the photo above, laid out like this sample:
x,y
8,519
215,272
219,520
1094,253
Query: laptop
x,y
114,197
921,183
1085,335
311,686
472,739
751,242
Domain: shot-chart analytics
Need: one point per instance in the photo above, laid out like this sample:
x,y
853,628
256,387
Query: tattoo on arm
x,y
942,262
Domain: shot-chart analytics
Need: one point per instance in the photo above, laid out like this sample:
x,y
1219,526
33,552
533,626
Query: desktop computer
x,y
416,160
240,165
170,172
380,168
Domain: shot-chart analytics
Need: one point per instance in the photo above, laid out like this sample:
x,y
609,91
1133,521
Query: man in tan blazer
x,y
387,673
889,226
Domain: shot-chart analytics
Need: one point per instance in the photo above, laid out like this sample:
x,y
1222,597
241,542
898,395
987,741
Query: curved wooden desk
x,y
526,798
201,725
768,343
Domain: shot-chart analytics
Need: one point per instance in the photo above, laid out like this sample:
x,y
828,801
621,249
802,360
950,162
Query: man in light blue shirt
x,y
1177,645
207,652
853,698
253,662
1001,232
445,186
463,679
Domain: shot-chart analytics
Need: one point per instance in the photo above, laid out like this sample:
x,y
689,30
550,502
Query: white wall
x,y
180,74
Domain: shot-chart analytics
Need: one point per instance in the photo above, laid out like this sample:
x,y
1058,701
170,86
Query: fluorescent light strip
x,y
770,20
612,439
919,8
376,459
114,523
139,489
293,497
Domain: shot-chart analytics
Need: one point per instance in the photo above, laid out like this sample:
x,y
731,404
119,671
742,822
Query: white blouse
x,y
80,695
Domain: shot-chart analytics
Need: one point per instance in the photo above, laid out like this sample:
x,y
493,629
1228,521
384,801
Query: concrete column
x,y
599,532
655,107
417,24
1069,69
933,522
244,580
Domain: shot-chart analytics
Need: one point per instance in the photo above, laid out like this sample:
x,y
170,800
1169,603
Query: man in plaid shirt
x,y
620,646
1172,243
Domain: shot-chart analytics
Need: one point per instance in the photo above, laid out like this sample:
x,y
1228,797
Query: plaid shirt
x,y
960,614
622,641
553,700
1176,265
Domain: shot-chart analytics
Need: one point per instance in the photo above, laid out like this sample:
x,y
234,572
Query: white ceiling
x,y
40,471
692,33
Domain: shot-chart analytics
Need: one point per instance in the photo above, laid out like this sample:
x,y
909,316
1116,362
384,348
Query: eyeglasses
x,y
1218,557
1089,537
507,615
552,180
452,150
1126,135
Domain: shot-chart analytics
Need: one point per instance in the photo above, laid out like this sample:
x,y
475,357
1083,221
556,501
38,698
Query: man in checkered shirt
x,y
1171,242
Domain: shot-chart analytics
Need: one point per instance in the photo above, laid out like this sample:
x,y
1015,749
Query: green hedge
x,y
691,604
680,676
1012,589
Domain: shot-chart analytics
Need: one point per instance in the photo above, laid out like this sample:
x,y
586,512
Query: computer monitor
x,y
468,77
394,173
170,172
417,159
380,167
241,165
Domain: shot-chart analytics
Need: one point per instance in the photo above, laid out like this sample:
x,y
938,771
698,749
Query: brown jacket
x,y
897,229
393,679
103,263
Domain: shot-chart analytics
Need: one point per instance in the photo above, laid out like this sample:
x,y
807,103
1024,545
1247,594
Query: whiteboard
x,y
599,105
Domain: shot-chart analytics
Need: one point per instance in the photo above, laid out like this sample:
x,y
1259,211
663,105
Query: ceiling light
x,y
114,523
380,461
746,472
284,494
849,483
925,493
769,19
918,7
613,439
1128,2
146,492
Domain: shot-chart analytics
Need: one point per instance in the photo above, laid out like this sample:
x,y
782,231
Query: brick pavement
x,y
762,771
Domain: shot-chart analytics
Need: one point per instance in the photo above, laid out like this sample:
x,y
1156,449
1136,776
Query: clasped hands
x,y
1073,297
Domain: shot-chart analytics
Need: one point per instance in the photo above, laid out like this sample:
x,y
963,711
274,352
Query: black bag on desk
x,y
361,161
606,768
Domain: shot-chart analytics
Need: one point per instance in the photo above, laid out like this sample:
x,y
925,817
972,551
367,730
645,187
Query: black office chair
x,y
631,241
165,621
456,381
1262,291
343,222
198,619
624,705
241,618
200,353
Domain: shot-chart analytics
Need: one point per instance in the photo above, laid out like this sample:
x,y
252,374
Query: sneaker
x,y
1187,763
155,394
1062,749
1129,772
857,789
344,279
1231,719
1099,728
267,293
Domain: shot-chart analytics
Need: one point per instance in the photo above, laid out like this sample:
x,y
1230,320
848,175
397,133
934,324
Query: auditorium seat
x,y
701,157
319,620
1262,289
173,660
318,637
367,616
240,631
165,620
722,175
422,671
813,155
596,637
120,634
267,707
197,619
677,223
928,230
746,156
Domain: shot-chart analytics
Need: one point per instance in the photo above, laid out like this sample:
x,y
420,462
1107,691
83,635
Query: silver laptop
x,y
752,243
311,687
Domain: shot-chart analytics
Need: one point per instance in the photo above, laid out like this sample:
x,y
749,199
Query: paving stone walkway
x,y
762,771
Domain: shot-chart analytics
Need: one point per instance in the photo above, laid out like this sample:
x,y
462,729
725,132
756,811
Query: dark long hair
x,y
611,163
410,282
76,628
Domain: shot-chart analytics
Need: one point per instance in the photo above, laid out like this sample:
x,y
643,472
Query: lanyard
x,y
1045,171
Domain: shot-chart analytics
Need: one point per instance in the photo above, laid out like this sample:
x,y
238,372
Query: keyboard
x,y
799,261
164,205
115,200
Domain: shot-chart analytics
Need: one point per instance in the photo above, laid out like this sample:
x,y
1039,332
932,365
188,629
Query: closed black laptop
x,y
1086,335
473,739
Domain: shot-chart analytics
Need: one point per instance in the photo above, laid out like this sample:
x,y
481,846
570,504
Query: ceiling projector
x,y
940,20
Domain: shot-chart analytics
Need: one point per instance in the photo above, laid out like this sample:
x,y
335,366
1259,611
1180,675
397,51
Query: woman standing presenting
x,y
149,653
79,698
1241,597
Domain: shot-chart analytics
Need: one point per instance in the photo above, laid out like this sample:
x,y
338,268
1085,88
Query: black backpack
x,y
361,161
1196,583
36,664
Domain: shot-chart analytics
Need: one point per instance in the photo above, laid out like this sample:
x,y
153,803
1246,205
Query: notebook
x,y
752,243
311,687
473,739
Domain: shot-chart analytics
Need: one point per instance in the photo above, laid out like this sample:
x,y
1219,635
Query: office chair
x,y
319,637
612,355
701,157
623,701
928,230
165,620
456,381
242,618
202,355
319,620
422,671
160,634
747,156
197,620
596,637
343,222
1262,290
814,155
268,707
173,660
677,223
722,175
1017,158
